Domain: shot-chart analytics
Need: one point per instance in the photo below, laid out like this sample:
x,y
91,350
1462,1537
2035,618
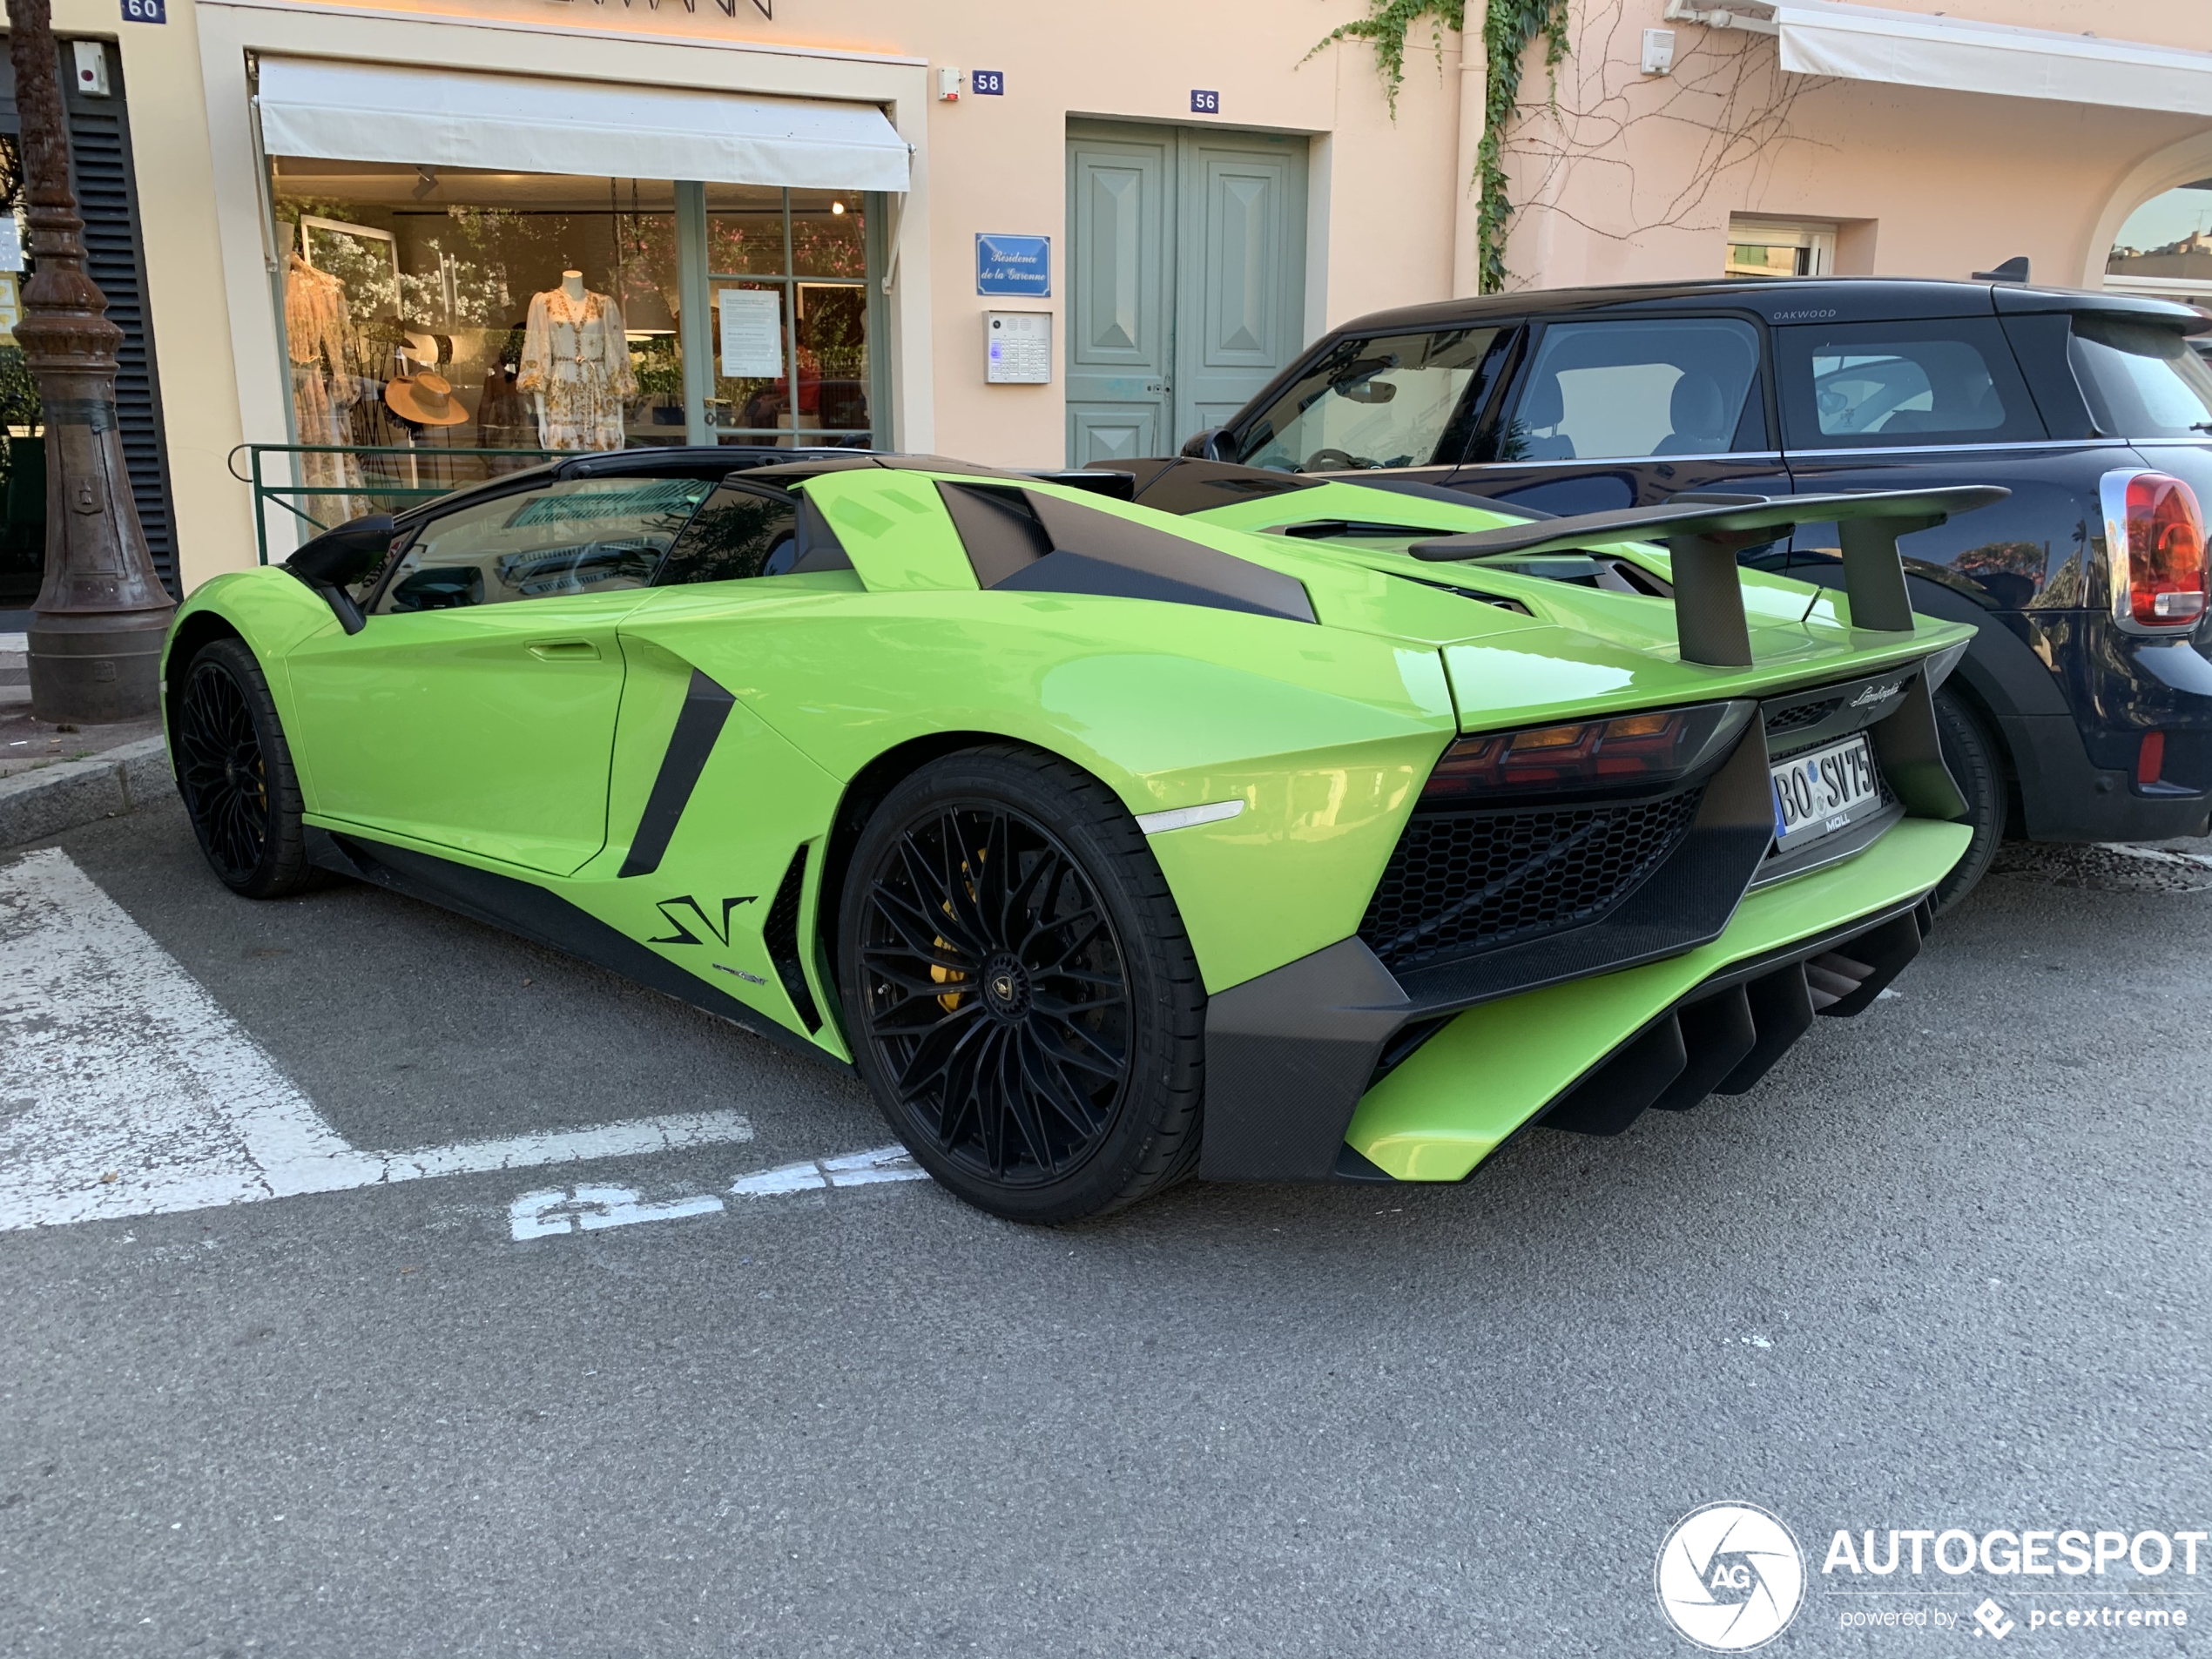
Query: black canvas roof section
x,y
1114,486
1703,538
1178,484
797,472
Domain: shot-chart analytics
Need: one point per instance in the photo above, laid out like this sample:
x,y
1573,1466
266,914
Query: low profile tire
x,y
235,770
1021,996
1970,754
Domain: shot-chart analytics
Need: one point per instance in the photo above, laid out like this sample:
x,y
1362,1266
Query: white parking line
x,y
536,1215
126,1090
854,1169
556,1210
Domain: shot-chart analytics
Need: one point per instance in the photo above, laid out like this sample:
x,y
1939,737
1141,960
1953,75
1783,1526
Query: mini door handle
x,y
565,650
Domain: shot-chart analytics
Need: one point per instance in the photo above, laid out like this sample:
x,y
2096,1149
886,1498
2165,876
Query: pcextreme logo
x,y
1730,1577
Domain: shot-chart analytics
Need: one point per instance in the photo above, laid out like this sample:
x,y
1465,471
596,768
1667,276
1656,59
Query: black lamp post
x,y
97,629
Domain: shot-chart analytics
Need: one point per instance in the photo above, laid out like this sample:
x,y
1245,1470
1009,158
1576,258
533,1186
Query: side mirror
x,y
336,559
1206,445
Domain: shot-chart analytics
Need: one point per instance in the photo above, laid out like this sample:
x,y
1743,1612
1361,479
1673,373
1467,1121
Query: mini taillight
x,y
2159,577
1626,754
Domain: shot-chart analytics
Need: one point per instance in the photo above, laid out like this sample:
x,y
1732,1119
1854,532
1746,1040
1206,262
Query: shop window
x,y
451,308
788,272
1774,248
431,314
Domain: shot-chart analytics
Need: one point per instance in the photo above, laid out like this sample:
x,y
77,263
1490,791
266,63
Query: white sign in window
x,y
1018,347
752,333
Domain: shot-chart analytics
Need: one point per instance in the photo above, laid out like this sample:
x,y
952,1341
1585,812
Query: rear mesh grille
x,y
1801,715
1463,882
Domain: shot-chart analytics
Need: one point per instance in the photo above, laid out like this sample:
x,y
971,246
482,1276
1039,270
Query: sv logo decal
x,y
671,908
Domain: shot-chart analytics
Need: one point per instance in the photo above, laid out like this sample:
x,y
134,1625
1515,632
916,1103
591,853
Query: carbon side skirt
x,y
541,916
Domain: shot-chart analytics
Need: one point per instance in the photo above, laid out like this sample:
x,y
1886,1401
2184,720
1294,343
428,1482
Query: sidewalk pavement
x,y
53,778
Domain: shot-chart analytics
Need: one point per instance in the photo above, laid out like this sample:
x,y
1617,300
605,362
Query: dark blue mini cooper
x,y
2083,711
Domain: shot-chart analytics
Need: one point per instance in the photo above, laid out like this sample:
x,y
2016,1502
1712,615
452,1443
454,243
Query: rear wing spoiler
x,y
1703,532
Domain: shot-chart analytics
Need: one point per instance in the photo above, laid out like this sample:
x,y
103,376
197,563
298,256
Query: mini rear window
x,y
2141,382
1902,384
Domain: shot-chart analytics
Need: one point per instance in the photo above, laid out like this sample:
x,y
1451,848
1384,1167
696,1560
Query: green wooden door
x,y
1186,280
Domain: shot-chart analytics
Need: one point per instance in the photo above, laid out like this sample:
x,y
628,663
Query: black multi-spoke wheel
x,y
1023,999
235,774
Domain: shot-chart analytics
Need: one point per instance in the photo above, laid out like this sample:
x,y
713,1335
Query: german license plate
x,y
1821,792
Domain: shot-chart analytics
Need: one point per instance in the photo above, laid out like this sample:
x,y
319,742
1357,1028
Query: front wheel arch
x,y
1974,752
194,634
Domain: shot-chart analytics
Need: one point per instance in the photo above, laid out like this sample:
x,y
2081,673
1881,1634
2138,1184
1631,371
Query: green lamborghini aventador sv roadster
x,y
1120,825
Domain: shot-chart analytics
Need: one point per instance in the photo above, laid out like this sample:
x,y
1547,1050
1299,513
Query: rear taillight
x,y
1628,754
2155,532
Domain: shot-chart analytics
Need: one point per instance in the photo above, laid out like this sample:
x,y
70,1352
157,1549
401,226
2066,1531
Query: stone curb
x,y
34,805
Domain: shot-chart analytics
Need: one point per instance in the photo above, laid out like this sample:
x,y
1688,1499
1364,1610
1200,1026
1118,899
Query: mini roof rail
x,y
1703,537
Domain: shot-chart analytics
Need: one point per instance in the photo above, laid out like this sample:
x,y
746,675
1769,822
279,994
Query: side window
x,y
1378,401
586,536
747,530
1882,385
1621,390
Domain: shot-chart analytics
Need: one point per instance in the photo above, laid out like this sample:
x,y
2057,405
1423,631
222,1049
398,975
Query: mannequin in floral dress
x,y
575,365
315,322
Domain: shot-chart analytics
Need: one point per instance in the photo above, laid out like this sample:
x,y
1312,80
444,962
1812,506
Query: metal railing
x,y
393,478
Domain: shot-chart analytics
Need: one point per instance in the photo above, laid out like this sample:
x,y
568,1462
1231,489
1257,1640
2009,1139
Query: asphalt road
x,y
1947,1267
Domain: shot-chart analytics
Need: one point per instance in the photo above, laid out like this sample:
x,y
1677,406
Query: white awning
x,y
1918,49
517,124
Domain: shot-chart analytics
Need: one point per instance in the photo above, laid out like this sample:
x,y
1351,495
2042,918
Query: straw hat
x,y
426,400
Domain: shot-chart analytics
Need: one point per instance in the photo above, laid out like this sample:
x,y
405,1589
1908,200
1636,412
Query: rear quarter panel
x,y
1324,734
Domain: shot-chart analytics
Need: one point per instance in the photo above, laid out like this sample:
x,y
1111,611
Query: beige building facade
x,y
785,209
